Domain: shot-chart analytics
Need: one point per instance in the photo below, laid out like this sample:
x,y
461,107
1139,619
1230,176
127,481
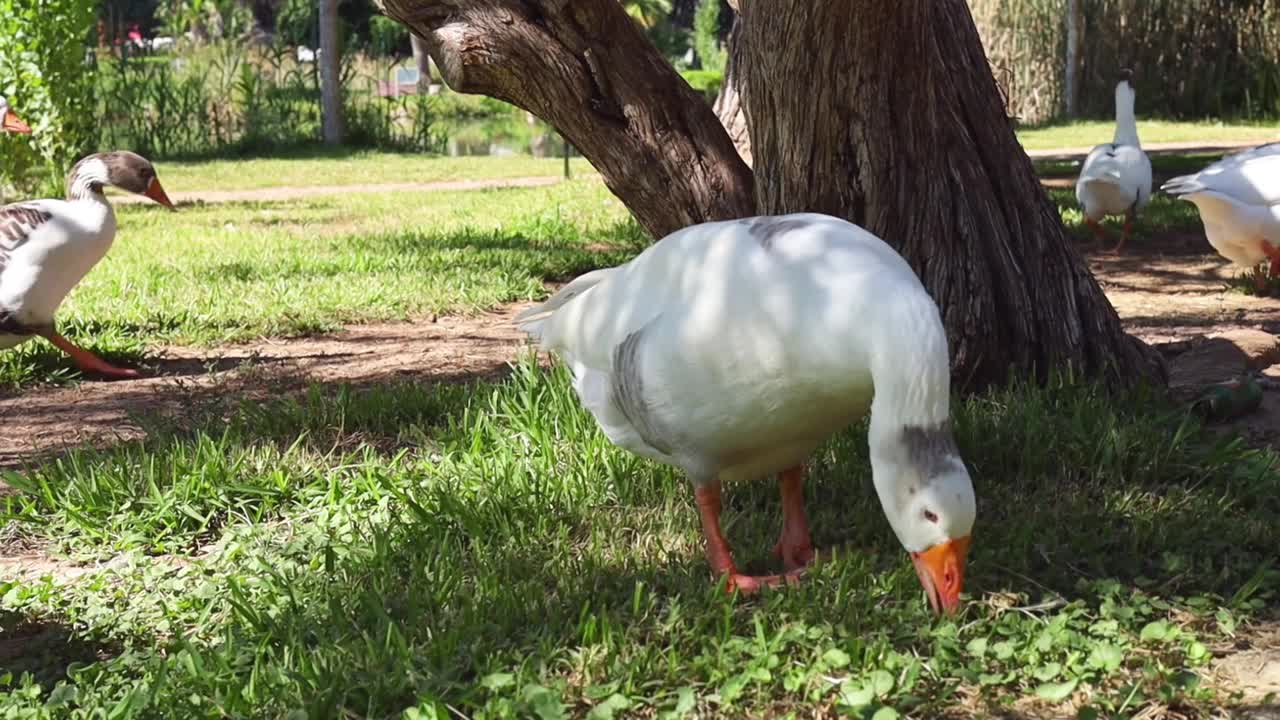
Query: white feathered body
x,y
1116,177
734,352
1239,202
1114,180
53,258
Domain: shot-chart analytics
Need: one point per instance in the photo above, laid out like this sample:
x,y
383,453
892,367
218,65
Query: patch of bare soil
x,y
1174,292
1252,667
1169,148
44,421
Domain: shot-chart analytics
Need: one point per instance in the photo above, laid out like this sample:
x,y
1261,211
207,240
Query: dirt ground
x,y
1168,290
44,421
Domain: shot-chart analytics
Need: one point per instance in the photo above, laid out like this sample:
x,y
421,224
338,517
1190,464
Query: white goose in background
x,y
9,120
47,247
1239,202
1116,177
733,349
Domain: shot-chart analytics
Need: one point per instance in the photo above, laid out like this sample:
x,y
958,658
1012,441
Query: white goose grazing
x,y
1116,177
1239,202
47,247
733,349
9,120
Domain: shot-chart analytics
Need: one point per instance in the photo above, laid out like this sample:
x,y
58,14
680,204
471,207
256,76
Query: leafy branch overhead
x,y
46,74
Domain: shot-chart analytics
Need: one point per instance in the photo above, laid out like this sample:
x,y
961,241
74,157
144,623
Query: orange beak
x,y
155,192
13,123
941,572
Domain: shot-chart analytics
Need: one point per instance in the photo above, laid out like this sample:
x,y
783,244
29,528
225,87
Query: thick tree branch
x,y
586,68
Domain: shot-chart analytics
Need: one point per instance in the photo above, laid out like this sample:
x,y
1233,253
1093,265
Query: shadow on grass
x,y
549,250
46,649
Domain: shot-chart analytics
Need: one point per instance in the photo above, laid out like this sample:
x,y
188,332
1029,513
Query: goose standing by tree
x,y
1116,177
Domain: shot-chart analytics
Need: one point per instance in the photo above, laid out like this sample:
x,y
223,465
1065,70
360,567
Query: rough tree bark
x,y
882,113
585,67
1071,83
889,116
728,105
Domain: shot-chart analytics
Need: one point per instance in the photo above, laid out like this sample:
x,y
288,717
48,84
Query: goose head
x,y
928,498
1125,92
9,120
126,170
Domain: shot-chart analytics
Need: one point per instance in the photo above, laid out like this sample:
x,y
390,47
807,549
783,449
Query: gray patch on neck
x,y
767,229
627,387
931,450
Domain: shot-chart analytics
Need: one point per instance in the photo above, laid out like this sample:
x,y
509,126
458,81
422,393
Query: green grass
x,y
359,553
1087,133
481,550
226,272
347,167
1162,216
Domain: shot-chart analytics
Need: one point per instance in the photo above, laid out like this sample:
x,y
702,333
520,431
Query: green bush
x,y
386,36
222,99
298,23
706,81
44,74
706,35
465,106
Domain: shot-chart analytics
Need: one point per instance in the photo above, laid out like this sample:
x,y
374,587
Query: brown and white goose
x,y
47,247
9,120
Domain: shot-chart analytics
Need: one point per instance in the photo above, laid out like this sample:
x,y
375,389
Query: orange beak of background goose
x,y
941,572
13,123
156,192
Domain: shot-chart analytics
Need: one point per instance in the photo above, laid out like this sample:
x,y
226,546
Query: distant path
x,y
269,194
1192,146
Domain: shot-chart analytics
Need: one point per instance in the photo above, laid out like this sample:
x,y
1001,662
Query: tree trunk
x,y
887,114
882,113
728,105
585,67
1071,81
330,58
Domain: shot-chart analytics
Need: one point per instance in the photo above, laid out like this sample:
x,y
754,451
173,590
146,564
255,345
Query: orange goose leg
x,y
1128,230
1099,232
1273,270
719,556
87,361
794,546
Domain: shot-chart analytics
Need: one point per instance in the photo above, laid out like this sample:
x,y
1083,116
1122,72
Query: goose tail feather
x,y
1183,185
530,321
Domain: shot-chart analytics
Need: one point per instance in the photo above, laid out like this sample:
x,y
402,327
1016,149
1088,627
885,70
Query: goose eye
x,y
928,515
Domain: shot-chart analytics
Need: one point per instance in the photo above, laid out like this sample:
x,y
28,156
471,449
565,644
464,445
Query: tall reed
x,y
1193,58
